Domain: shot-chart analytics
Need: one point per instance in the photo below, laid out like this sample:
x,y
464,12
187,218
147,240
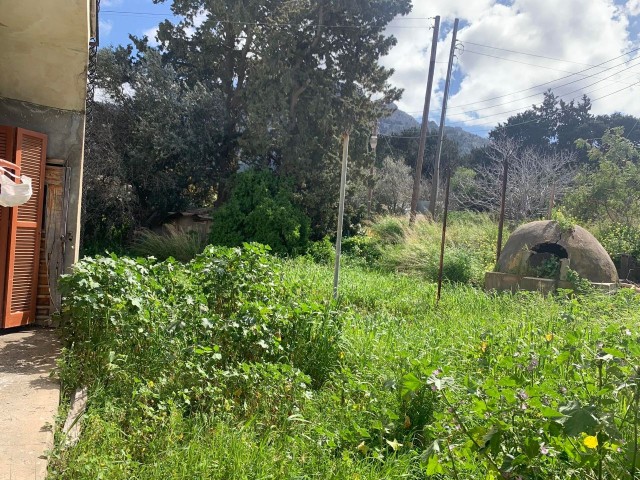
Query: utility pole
x,y
424,129
343,187
436,164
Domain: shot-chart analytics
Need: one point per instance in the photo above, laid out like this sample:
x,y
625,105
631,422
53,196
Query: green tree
x,y
153,148
261,209
611,191
293,75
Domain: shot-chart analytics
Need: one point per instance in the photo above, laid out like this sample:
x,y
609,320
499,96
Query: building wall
x,y
44,51
65,131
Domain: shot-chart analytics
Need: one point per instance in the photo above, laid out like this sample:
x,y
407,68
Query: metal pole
x,y
502,206
372,170
552,200
424,128
436,164
343,186
444,234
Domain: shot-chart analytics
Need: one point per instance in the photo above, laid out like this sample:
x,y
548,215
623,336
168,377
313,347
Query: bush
x,y
322,251
361,247
618,239
458,266
173,243
389,230
261,209
213,320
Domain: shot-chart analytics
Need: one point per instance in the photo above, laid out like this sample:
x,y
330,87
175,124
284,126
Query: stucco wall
x,y
44,51
65,131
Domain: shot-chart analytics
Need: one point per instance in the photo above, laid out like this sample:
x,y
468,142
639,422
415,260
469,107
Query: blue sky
x,y
546,39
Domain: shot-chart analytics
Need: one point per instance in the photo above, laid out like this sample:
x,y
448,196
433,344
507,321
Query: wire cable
x,y
547,83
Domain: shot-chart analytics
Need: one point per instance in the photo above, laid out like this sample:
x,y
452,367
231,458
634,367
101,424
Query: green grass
x,y
409,372
173,242
470,247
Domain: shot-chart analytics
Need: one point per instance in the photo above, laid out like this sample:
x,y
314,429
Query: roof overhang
x,y
44,51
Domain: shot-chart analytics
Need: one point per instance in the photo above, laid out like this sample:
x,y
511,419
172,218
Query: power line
x,y
534,120
522,111
559,86
528,54
525,63
278,24
549,82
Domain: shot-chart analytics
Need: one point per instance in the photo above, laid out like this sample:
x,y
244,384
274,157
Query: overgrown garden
x,y
237,365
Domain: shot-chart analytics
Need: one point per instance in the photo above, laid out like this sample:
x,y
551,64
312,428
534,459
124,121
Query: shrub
x,y
322,251
261,209
619,239
361,247
213,320
172,243
389,230
457,266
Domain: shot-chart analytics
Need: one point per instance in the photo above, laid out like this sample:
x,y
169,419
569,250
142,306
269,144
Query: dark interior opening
x,y
552,248
545,260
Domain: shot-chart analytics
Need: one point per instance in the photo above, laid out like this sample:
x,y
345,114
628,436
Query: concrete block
x,y
535,284
501,281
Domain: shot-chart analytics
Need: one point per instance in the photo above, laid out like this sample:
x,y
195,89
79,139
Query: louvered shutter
x,y
7,136
24,234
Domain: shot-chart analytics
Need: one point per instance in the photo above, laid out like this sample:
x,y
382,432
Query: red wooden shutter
x,y
19,305
7,136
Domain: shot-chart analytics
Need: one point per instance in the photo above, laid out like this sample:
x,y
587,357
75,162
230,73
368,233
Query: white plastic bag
x,y
13,194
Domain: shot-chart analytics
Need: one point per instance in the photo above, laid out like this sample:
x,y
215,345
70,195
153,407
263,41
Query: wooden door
x,y
7,137
25,223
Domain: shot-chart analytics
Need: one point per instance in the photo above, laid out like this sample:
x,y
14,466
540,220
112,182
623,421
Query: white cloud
x,y
110,3
105,27
633,7
541,27
152,33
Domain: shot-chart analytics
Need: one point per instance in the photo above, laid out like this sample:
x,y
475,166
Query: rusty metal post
x,y
552,199
502,207
444,234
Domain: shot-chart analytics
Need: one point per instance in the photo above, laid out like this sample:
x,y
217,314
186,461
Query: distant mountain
x,y
397,122
400,121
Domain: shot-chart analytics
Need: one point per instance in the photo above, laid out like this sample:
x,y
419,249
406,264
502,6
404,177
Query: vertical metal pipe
x,y
552,200
502,206
343,186
444,234
372,170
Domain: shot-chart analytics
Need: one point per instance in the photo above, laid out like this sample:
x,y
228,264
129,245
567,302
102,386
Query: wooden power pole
x,y
436,163
424,129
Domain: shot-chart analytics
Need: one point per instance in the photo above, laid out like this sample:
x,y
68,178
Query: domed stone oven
x,y
538,256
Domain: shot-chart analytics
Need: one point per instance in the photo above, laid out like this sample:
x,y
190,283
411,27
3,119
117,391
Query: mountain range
x,y
400,121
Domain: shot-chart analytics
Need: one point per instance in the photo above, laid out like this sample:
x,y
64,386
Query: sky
x,y
509,52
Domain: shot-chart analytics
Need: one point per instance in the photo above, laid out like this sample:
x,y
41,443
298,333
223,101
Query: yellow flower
x,y
590,441
548,337
362,448
395,444
484,346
